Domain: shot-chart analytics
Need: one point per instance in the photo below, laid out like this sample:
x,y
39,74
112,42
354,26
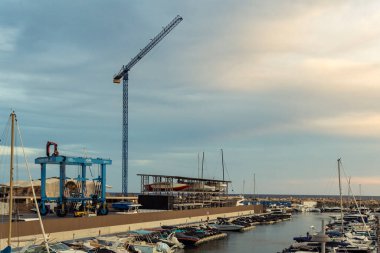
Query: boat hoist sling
x,y
48,144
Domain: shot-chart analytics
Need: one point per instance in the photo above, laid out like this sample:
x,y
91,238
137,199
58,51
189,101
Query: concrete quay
x,y
69,228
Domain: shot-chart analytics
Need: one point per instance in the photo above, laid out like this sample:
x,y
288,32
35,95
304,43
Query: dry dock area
x,y
75,228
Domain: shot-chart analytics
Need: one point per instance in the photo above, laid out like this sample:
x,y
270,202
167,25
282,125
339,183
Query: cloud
x,y
8,38
285,81
354,125
329,45
141,163
350,125
365,181
29,152
316,28
74,149
342,75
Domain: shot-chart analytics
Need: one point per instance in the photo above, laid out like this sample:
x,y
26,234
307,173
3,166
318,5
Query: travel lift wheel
x,y
61,210
43,211
103,210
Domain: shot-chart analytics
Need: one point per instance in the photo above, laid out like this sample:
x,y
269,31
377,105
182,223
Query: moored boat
x,y
126,206
187,240
223,224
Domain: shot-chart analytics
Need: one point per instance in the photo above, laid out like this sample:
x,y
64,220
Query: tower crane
x,y
123,74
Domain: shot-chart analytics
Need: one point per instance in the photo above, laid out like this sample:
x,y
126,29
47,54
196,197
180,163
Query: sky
x,y
285,88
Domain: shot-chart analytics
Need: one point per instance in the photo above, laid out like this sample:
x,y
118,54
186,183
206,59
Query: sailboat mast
x,y
13,115
34,193
222,163
348,193
203,160
340,194
198,164
254,185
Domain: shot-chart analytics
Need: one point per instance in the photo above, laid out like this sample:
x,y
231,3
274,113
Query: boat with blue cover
x,y
126,206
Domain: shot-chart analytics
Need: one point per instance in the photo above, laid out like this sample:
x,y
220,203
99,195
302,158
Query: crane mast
x,y
123,74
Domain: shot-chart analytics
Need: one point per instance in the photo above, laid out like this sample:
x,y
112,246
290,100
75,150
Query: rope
x,y
90,167
17,180
98,188
353,196
228,175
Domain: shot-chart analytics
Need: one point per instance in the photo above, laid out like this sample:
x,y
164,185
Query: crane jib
x,y
147,48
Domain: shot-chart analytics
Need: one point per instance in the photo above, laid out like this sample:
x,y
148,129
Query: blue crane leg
x,y
62,178
103,178
43,188
83,183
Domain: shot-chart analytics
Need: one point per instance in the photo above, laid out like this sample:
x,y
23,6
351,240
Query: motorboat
x,y
353,249
201,186
218,186
187,240
126,206
223,224
132,243
279,213
172,240
166,186
53,248
299,208
242,201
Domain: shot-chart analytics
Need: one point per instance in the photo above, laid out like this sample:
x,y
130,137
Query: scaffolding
x,y
186,192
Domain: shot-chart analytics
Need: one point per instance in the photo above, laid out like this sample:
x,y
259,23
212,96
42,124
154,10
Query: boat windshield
x,y
59,247
34,249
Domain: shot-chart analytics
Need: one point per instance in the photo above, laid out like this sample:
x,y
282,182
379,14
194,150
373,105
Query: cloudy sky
x,y
283,87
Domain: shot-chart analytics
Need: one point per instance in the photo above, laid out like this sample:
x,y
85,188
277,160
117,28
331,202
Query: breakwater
x,y
321,200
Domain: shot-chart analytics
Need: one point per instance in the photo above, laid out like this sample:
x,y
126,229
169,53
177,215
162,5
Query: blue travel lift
x,y
97,202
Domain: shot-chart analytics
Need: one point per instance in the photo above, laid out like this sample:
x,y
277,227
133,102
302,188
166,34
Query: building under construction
x,y
178,193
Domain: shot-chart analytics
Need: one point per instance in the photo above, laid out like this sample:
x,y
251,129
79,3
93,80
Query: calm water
x,y
265,238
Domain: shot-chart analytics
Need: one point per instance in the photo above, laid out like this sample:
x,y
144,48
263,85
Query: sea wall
x,y
70,228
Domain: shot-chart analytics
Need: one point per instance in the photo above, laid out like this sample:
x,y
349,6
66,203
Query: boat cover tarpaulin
x,y
141,232
7,249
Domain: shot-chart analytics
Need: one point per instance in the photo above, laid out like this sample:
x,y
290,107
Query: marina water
x,y
265,238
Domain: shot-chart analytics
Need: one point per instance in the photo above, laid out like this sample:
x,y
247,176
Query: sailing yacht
x,y
14,128
8,249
